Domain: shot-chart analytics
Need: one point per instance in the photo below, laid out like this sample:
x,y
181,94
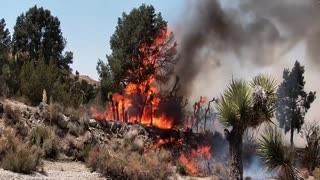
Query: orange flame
x,y
192,166
121,107
161,142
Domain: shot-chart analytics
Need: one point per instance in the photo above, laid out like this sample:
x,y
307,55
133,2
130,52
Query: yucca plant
x,y
276,156
245,105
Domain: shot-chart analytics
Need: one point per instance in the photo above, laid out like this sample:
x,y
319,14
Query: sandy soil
x,y
55,171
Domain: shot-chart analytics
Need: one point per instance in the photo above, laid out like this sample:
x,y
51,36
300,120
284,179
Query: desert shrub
x,y
53,116
8,142
21,129
316,174
125,164
16,156
45,138
21,161
311,132
78,126
50,148
12,116
85,152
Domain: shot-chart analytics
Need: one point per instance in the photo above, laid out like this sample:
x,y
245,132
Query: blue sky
x,y
88,25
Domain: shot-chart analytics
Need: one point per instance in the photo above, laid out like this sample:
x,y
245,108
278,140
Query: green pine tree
x,y
293,102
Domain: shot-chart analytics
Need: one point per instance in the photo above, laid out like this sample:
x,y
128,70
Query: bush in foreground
x,y
21,161
16,156
8,142
125,164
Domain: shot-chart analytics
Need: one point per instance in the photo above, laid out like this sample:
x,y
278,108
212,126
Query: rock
x,y
92,123
1,109
63,121
138,143
131,133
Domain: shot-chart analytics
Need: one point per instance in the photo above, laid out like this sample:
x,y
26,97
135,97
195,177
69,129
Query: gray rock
x,y
63,121
1,109
92,123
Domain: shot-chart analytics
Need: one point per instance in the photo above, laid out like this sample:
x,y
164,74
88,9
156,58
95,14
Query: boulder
x,y
92,123
1,109
63,121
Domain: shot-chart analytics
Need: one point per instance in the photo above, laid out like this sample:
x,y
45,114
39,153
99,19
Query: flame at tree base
x,y
139,101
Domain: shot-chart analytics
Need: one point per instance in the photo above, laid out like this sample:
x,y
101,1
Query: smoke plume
x,y
250,33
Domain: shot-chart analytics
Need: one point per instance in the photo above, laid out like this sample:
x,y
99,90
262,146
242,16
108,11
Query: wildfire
x,y
159,142
140,101
190,165
194,164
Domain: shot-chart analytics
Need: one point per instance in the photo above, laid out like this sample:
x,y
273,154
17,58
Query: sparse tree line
x,y
33,60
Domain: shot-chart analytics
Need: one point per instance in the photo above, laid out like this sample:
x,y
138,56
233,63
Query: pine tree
x,y
5,45
293,102
37,34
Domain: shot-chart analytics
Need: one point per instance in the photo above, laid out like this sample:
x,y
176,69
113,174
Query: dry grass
x,y
8,142
45,138
125,164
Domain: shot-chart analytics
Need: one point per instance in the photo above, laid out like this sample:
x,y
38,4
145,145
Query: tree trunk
x,y
291,134
235,149
113,110
117,110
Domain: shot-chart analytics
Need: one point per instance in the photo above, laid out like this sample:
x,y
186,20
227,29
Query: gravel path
x,y
55,171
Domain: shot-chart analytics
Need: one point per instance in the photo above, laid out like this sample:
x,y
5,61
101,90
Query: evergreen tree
x,y
134,58
36,78
5,45
107,84
37,34
140,27
293,102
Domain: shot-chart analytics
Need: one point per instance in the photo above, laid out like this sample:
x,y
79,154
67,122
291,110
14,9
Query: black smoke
x,y
258,32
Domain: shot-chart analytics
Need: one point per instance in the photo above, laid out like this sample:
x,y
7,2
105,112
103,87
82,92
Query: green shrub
x,y
16,156
21,161
50,148
45,138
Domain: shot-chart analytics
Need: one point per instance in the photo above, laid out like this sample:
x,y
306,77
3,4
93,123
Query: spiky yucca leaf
x,y
235,104
264,99
266,82
276,157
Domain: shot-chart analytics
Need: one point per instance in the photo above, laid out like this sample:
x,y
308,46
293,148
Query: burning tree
x,y
243,106
142,59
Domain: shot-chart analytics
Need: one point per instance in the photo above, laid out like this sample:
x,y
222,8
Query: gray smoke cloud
x,y
255,32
